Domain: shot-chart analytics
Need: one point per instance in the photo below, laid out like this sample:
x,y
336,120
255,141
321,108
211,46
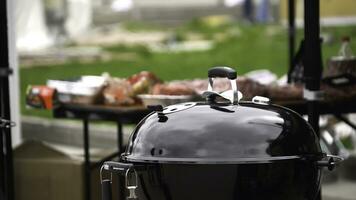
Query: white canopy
x,y
31,30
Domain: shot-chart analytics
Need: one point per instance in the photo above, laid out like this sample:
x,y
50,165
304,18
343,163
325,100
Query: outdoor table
x,y
334,107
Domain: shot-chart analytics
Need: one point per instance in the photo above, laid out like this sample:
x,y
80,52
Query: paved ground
x,y
341,190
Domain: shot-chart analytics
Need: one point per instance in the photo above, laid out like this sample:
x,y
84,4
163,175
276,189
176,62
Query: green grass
x,y
255,47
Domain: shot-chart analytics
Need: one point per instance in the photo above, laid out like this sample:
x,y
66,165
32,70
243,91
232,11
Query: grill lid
x,y
212,132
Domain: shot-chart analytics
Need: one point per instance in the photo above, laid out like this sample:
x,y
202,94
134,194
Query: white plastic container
x,y
84,90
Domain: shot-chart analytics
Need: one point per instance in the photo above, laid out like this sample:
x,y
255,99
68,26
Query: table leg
x,y
120,138
120,147
87,170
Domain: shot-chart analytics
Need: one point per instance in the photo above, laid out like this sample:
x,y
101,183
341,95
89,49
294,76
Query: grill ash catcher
x,y
223,148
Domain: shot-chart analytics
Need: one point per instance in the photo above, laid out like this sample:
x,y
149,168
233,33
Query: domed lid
x,y
222,133
205,133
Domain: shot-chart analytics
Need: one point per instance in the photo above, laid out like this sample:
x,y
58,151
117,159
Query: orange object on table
x,y
40,96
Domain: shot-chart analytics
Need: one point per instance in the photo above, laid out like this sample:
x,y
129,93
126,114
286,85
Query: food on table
x,y
285,93
118,92
248,87
123,92
143,82
339,93
145,87
164,100
172,89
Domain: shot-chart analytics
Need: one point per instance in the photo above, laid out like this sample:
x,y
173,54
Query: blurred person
x,y
274,10
248,9
56,14
263,11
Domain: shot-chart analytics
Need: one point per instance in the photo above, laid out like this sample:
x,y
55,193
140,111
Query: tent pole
x,y
7,179
291,35
313,62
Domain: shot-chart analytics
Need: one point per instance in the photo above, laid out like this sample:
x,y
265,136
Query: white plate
x,y
164,100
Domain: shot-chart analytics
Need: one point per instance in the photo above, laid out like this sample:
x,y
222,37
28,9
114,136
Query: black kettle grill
x,y
223,149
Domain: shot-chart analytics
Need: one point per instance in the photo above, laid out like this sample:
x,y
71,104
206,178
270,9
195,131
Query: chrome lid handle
x,y
223,72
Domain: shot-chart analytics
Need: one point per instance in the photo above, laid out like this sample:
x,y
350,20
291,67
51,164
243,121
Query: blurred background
x,y
173,40
60,39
